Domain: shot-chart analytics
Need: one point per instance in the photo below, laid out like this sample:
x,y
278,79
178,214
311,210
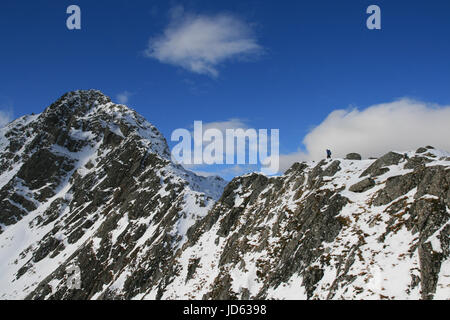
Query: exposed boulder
x,y
421,150
353,156
363,185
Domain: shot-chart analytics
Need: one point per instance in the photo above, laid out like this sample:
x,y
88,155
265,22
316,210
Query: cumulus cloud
x,y
123,97
200,43
400,125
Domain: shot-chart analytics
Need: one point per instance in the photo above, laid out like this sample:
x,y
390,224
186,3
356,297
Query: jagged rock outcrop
x,y
90,184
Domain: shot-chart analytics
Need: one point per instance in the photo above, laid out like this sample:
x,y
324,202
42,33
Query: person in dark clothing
x,y
328,154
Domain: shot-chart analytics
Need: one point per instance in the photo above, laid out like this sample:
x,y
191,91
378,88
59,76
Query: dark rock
x,y
310,278
45,248
44,167
296,167
378,167
434,181
431,155
193,265
421,150
332,169
430,262
316,175
353,156
395,187
10,213
416,162
363,185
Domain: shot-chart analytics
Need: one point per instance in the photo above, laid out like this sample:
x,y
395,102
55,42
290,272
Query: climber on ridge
x,y
328,154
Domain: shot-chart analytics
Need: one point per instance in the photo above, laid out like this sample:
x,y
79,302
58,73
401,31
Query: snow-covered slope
x,y
342,229
90,184
91,176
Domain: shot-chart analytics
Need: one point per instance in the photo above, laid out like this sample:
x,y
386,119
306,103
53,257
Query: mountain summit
x,y
88,176
89,185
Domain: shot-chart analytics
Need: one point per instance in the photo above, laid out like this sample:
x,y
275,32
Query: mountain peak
x,y
94,114
80,98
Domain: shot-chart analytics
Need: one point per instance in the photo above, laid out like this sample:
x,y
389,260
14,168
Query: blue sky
x,y
309,59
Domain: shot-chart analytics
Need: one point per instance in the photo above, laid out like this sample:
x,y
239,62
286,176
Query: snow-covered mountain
x,y
89,183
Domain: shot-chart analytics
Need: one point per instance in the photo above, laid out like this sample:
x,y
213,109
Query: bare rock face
x,y
416,162
379,167
90,184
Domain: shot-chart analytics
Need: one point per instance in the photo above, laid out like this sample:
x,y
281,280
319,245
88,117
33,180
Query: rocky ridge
x,y
310,235
89,183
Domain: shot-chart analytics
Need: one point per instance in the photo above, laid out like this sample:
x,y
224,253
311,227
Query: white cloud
x,y
200,43
400,125
123,97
